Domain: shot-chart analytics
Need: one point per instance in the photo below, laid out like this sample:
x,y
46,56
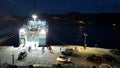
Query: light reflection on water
x,y
100,36
69,34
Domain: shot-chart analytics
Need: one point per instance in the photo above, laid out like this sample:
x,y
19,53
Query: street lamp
x,y
85,37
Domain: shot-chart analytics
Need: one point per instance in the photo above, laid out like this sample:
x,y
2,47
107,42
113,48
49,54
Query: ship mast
x,y
35,6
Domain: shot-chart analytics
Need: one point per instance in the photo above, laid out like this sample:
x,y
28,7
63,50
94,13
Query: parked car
x,y
115,51
109,58
63,59
67,52
22,54
104,65
94,58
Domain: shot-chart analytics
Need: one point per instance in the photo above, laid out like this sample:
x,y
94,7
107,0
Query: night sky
x,y
26,7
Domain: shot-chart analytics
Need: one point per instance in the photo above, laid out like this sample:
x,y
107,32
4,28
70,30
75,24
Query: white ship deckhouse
x,y
34,33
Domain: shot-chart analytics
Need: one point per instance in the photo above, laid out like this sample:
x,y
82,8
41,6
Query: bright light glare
x,y
22,30
34,16
43,31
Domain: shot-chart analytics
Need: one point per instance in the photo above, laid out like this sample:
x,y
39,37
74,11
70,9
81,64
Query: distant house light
x,y
114,24
81,22
55,17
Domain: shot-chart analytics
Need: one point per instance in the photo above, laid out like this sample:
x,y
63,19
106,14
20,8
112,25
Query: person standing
x,y
29,48
35,45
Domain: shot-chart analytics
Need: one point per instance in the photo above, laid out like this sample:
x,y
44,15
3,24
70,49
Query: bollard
x,y
0,63
13,59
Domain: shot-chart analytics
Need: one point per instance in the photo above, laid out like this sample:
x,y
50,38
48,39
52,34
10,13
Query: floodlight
x,y
43,31
22,30
34,16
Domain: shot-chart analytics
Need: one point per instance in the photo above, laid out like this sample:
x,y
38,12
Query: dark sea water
x,y
105,37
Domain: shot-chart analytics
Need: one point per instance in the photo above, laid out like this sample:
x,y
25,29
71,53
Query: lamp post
x,y
85,37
